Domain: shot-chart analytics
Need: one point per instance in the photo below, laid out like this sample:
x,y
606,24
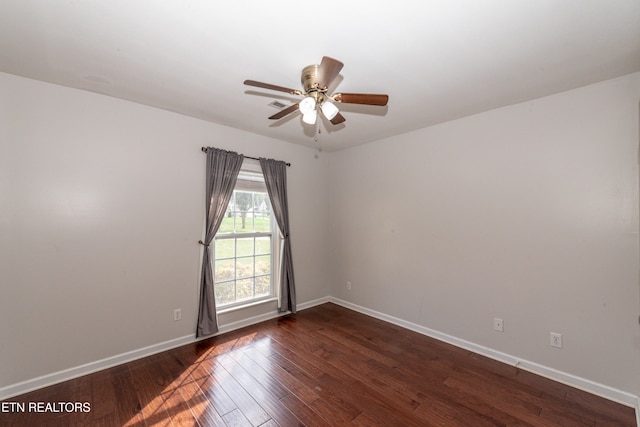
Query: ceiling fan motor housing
x,y
309,77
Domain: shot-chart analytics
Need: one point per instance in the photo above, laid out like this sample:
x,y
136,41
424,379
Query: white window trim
x,y
252,303
253,166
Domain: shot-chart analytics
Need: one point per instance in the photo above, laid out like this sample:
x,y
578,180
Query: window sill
x,y
247,305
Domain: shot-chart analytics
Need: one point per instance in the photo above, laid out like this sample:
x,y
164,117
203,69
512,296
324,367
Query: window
x,y
244,245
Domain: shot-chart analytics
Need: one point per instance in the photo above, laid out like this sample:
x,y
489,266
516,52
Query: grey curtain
x,y
275,178
222,173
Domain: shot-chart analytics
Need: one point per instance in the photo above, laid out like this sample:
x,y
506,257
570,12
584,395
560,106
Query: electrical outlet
x,y
556,340
498,324
177,314
348,286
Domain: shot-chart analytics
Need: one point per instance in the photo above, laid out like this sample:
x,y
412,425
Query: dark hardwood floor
x,y
325,366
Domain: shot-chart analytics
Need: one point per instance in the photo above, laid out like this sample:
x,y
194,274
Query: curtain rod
x,y
204,150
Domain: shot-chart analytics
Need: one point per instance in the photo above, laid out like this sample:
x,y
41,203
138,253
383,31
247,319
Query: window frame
x,y
250,171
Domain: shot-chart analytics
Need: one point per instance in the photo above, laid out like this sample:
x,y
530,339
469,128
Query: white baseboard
x,y
313,303
91,367
589,386
562,377
98,365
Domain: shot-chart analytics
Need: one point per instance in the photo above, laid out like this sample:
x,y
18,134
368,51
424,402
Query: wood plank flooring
x,y
325,366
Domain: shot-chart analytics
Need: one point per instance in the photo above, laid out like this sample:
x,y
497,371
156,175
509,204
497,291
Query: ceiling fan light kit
x,y
307,105
329,109
315,81
310,118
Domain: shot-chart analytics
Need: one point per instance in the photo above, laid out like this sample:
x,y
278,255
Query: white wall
x,y
101,209
528,213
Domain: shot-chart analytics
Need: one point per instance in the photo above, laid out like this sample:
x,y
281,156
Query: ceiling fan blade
x,y
328,70
339,118
284,112
272,87
362,98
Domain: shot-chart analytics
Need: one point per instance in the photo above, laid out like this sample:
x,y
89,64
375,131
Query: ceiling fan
x,y
315,82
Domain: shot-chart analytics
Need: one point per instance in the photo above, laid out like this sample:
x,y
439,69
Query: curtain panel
x,y
221,176
275,178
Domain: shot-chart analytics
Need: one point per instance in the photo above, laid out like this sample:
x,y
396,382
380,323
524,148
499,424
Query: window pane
x,y
262,223
244,201
263,264
263,285
225,292
262,210
244,267
244,208
245,246
244,289
227,224
263,245
261,202
242,255
225,248
244,222
224,270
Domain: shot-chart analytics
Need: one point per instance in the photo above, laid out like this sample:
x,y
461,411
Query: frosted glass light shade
x,y
307,105
329,110
310,118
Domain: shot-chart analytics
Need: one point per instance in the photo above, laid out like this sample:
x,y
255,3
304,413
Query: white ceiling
x,y
437,60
